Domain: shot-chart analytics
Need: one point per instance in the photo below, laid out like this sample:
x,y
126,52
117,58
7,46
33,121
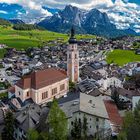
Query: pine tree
x,y
85,127
9,125
57,123
76,130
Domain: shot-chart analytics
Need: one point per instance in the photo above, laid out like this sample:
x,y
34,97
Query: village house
x,y
110,82
42,86
78,105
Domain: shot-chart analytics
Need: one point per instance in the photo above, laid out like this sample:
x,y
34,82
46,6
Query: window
x,y
28,94
97,127
44,95
54,91
71,123
97,119
62,87
19,93
90,126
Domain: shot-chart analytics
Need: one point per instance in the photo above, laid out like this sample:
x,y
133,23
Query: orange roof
x,y
113,113
41,78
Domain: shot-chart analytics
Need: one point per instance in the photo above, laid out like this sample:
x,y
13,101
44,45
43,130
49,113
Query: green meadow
x,y
24,39
122,57
34,38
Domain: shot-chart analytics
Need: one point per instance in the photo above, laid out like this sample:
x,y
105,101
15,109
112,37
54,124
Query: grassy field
x,y
122,57
24,39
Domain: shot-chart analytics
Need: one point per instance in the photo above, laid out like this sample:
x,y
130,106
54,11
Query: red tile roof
x,y
113,113
41,78
11,89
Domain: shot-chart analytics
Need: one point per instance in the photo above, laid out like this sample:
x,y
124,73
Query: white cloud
x,y
34,10
123,14
3,12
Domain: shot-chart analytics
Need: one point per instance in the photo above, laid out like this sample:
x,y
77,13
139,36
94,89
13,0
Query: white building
x,y
108,82
92,108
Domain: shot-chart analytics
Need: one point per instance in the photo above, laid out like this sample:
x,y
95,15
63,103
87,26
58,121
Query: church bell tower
x,y
73,58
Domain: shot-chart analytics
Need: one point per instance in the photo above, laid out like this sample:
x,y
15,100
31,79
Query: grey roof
x,y
29,117
70,97
86,85
104,63
42,126
89,71
85,103
128,93
95,92
22,104
96,65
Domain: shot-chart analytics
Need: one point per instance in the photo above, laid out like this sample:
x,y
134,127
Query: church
x,y
42,86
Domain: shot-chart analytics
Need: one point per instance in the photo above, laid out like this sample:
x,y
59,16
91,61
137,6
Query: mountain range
x,y
85,22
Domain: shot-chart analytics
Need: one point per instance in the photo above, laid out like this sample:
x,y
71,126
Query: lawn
x,y
122,57
24,39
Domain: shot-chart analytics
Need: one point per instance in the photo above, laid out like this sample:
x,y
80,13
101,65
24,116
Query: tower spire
x,y
72,32
72,39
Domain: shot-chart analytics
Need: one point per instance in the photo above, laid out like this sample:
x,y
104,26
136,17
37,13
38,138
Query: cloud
x,y
33,8
124,15
3,12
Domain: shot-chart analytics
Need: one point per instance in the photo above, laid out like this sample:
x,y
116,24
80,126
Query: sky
x,y
123,13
